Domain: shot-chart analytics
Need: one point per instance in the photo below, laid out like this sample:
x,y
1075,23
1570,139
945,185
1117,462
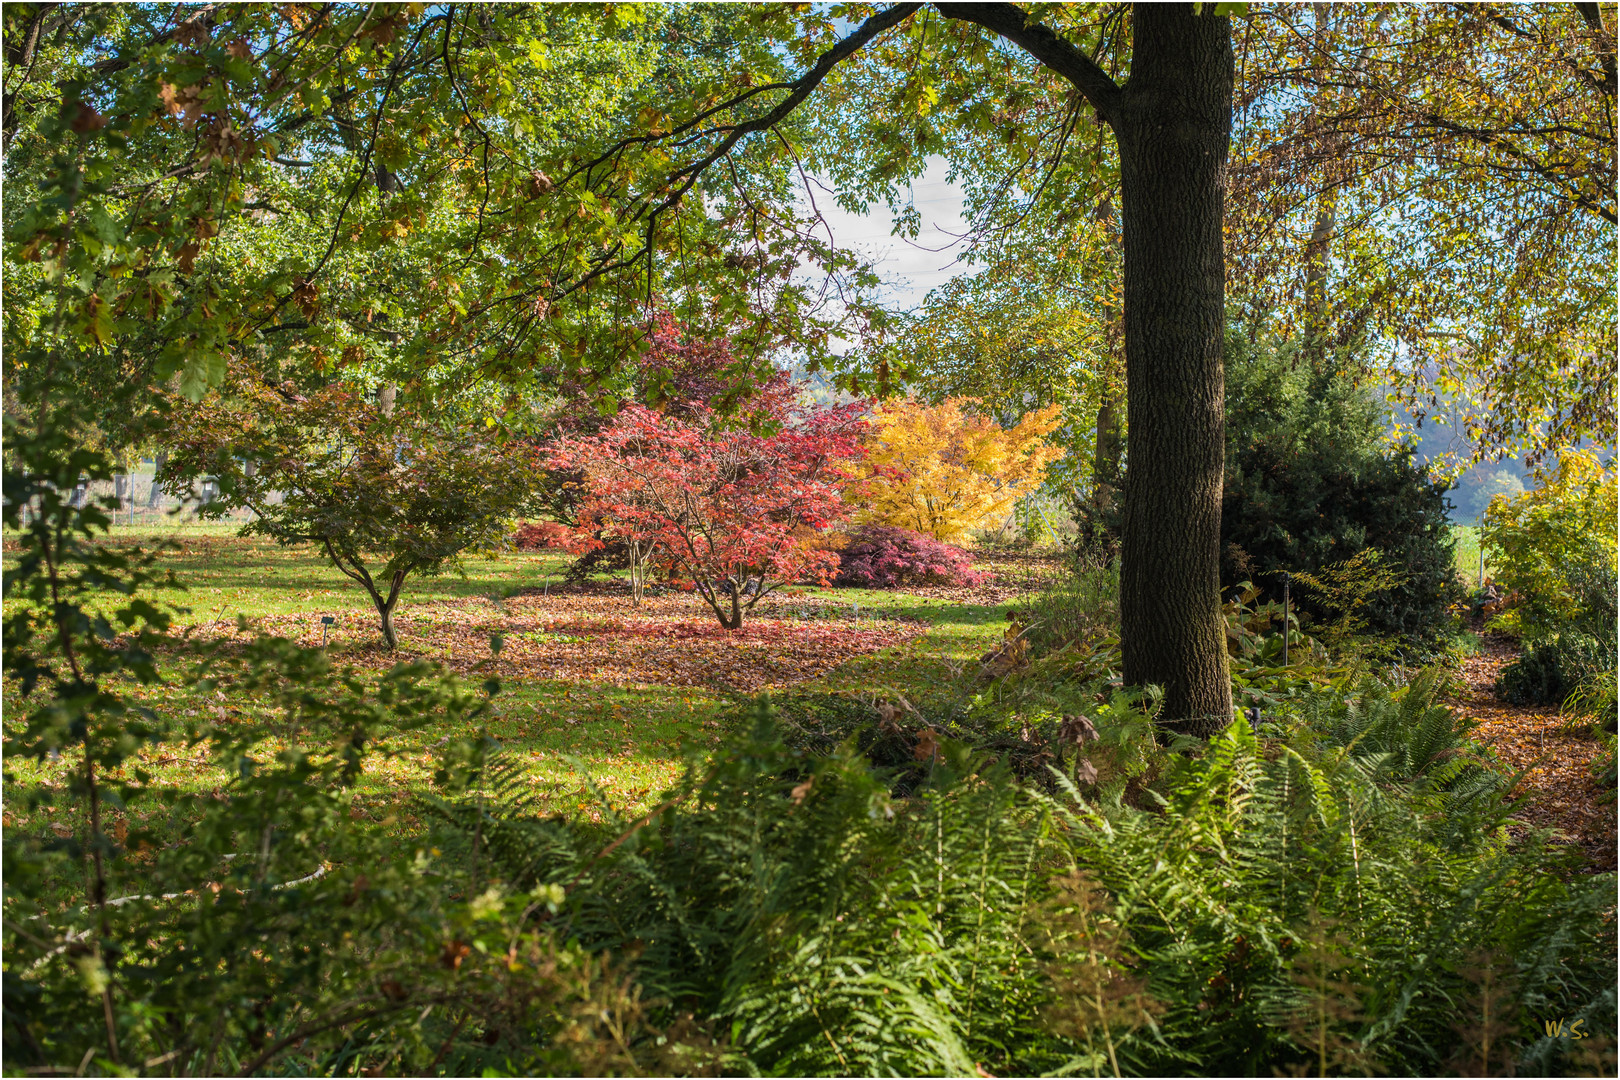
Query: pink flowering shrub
x,y
884,557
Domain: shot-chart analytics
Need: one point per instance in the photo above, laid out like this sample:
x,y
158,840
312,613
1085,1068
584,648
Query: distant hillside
x,y
1474,488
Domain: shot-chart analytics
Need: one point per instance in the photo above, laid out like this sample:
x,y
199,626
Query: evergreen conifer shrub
x,y
1310,485
1553,667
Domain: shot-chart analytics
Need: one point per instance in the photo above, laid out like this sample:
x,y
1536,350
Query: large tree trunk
x,y
386,605
1105,456
1317,250
1172,121
1095,513
1105,460
1173,124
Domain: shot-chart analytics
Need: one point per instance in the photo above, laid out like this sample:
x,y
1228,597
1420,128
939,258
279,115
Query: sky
x,y
911,268
908,268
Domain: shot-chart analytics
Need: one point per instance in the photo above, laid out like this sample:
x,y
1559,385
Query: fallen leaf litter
x,y
592,633
1560,791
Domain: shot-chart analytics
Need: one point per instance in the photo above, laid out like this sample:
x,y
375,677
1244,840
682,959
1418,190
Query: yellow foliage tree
x,y
941,470
1540,543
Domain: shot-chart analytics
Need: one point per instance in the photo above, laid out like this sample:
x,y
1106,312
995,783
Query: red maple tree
x,y
716,499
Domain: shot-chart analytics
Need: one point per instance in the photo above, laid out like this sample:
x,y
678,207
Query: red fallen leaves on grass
x,y
762,654
594,636
1562,793
760,631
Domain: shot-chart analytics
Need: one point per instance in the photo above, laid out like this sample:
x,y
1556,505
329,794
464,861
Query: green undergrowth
x,y
953,862
1341,895
1337,897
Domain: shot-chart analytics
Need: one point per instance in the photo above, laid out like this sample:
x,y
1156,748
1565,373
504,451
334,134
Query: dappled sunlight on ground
x,y
595,633
600,699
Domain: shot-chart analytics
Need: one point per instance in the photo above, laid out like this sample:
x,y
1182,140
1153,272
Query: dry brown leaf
x,y
1561,791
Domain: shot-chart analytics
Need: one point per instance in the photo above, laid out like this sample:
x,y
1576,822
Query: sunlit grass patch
x,y
595,727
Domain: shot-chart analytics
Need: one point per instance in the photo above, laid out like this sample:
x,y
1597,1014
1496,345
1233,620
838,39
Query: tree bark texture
x,y
353,568
386,605
1105,456
1317,250
1173,124
1096,513
1105,463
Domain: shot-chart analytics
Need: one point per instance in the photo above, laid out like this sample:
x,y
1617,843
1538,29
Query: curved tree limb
x,y
1050,48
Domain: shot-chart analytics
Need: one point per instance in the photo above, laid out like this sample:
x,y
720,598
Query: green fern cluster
x,y
826,924
1026,724
1339,899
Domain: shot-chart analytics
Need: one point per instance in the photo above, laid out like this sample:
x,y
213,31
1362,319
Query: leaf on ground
x,y
595,635
1563,794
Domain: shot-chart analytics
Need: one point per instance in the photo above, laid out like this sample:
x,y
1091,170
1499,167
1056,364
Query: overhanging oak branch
x,y
1046,45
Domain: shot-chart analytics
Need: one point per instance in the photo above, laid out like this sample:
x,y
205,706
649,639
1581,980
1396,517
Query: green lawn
x,y
228,575
1467,537
630,740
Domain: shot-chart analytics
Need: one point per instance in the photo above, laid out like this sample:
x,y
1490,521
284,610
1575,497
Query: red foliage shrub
x,y
542,536
884,557
720,506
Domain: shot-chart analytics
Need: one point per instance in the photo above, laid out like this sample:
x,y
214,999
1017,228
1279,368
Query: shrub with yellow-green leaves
x,y
944,471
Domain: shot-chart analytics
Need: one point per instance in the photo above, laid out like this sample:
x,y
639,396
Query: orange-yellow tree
x,y
941,470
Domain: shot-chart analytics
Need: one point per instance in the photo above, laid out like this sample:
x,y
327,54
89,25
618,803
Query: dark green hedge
x,y
1311,481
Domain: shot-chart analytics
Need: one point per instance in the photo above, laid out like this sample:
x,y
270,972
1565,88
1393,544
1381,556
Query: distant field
x,y
1468,553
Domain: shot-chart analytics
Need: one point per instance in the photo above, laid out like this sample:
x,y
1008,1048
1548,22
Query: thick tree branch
x,y
798,89
23,54
648,207
359,573
802,88
203,15
1051,49
1593,15
23,57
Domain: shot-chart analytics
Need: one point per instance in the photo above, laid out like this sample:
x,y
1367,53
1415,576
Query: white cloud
x,y
909,268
